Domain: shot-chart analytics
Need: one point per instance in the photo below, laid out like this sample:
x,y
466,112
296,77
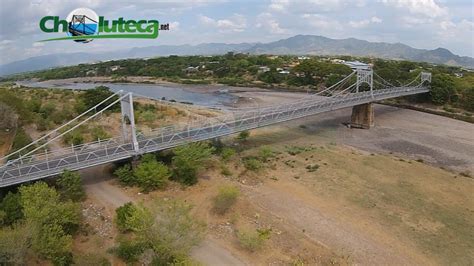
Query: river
x,y
172,92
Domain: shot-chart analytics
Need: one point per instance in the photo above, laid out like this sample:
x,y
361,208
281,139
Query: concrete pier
x,y
362,116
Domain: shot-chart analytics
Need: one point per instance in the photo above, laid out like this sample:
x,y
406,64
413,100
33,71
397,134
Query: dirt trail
x,y
98,186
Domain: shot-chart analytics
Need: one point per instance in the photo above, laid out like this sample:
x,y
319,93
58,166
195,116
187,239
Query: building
x,y
263,69
358,65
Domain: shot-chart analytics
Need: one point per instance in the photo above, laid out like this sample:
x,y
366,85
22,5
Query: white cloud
x,y
365,22
268,22
311,6
235,23
427,8
322,22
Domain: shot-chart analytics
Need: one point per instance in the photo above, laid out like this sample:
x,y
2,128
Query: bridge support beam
x,y
362,116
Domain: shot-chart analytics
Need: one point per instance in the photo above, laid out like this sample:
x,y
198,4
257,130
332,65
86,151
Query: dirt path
x,y
99,187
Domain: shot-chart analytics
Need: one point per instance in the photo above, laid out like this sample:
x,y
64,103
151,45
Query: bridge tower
x,y
129,132
365,76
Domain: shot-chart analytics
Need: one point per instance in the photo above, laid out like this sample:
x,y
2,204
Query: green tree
x,y
123,214
468,99
151,175
14,244
92,97
125,175
54,244
11,206
51,220
69,185
188,160
173,232
442,89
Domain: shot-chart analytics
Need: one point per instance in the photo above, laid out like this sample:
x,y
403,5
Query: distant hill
x,y
297,45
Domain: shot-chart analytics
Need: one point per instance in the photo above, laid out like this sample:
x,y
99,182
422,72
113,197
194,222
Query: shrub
x,y
252,163
21,139
253,240
188,160
123,213
151,175
225,199
69,185
225,171
266,153
74,137
227,154
243,136
167,228
130,251
99,133
125,175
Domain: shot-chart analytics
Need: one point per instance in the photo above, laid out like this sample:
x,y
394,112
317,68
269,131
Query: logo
x,y
84,25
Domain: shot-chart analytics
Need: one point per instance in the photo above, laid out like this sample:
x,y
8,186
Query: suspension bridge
x,y
35,161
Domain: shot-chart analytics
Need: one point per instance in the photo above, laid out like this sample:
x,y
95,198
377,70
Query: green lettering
x,y
130,26
43,22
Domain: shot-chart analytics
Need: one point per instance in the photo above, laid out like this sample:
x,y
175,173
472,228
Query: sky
x,y
426,24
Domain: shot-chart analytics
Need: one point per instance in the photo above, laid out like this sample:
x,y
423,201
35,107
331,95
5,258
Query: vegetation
x,y
125,175
243,135
151,175
11,210
225,199
253,240
69,185
188,160
166,228
123,215
252,163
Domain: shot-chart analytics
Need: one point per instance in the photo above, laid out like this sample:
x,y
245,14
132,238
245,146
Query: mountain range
x,y
296,45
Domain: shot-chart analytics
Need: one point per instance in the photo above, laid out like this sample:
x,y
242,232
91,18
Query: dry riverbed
x,y
390,195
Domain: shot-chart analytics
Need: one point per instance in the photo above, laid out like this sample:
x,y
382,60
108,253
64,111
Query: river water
x,y
179,94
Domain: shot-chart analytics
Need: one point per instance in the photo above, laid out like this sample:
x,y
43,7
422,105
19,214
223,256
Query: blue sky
x,y
425,24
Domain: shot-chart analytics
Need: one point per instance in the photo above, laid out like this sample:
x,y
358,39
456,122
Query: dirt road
x,y
99,188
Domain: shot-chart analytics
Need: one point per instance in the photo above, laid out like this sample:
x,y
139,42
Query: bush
x,y
225,199
73,138
225,171
188,160
252,164
265,153
99,133
243,136
130,251
253,240
151,175
123,213
69,185
167,228
227,154
125,175
21,140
